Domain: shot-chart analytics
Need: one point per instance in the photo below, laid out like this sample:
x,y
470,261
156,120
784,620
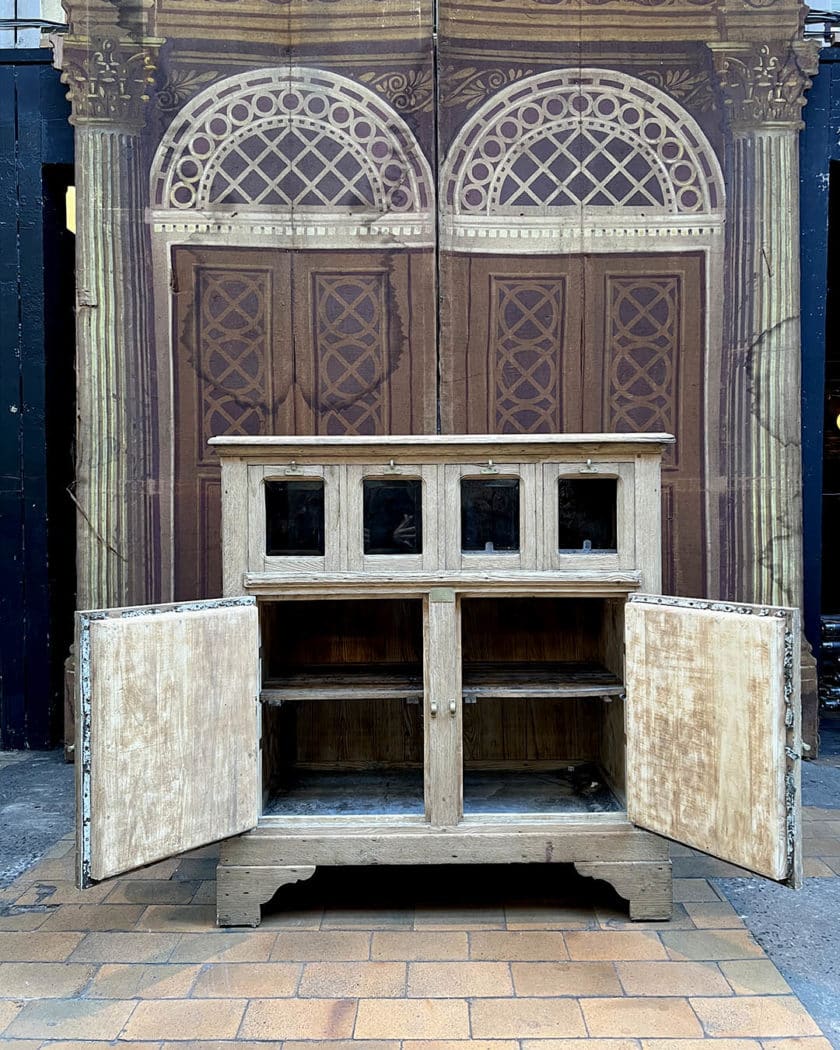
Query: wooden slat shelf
x,y
346,682
497,680
502,680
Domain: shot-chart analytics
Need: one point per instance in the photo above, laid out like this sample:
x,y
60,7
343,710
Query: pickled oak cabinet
x,y
438,650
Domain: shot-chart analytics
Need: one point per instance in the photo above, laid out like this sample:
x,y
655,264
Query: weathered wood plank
x,y
711,697
160,690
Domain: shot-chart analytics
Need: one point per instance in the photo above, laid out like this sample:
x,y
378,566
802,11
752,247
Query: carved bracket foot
x,y
241,891
646,886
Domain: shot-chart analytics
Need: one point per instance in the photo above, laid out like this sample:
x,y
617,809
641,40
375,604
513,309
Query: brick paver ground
x,y
393,960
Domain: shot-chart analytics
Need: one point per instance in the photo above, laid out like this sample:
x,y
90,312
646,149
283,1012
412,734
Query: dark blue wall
x,y
819,145
36,398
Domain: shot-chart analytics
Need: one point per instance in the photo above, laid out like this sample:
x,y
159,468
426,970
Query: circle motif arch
x,y
281,140
582,140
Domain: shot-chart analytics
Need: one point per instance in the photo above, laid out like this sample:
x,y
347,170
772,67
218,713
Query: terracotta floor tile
x,y
614,945
701,1044
164,869
763,1017
295,919
522,945
453,980
337,946
338,980
337,1044
816,1042
715,947
125,947
693,890
71,1019
43,980
698,866
671,978
459,1044
373,919
202,1044
549,917
90,1044
565,978
299,1019
186,918
639,1017
714,915
754,977
18,919
155,891
142,981
37,947
415,944
618,918
412,1019
578,1044
94,917
262,980
814,868
61,868
222,947
524,1018
459,918
64,892
8,1011
206,892
185,1019
193,868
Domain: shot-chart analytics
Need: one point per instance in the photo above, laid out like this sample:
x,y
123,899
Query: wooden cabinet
x,y
439,650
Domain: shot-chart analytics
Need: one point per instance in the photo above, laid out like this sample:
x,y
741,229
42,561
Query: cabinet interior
x,y
342,721
543,712
542,690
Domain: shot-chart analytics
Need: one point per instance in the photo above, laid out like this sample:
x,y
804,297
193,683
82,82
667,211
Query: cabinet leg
x,y
647,886
241,891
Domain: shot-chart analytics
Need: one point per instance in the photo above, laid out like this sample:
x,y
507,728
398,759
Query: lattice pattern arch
x,y
290,140
582,142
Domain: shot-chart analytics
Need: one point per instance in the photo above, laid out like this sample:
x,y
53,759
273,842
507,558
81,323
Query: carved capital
x,y
108,80
765,83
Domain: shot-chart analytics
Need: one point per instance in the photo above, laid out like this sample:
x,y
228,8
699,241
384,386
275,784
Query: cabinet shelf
x,y
405,682
346,682
510,680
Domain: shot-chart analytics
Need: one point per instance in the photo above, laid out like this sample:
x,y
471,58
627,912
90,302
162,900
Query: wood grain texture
x,y
706,732
443,708
167,689
486,841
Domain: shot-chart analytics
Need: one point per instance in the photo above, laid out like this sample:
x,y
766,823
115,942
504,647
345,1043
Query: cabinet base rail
x,y
255,866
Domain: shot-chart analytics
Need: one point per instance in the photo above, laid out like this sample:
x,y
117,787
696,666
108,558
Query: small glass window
x,y
586,514
393,516
294,518
490,514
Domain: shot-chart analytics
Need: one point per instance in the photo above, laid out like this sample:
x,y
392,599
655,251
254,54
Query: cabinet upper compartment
x,y
416,510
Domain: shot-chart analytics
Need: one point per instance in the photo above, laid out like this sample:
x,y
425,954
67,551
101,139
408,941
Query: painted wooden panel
x,y
168,733
712,728
598,344
281,342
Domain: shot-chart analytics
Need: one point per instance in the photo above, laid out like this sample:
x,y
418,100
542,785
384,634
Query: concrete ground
x,y
509,958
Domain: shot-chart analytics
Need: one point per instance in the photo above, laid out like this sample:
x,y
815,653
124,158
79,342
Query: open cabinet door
x,y
167,730
713,728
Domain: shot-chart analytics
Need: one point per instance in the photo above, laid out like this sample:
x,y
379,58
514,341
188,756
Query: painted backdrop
x,y
380,216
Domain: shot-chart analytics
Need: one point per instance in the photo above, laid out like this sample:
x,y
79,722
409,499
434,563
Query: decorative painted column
x,y
108,80
764,91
